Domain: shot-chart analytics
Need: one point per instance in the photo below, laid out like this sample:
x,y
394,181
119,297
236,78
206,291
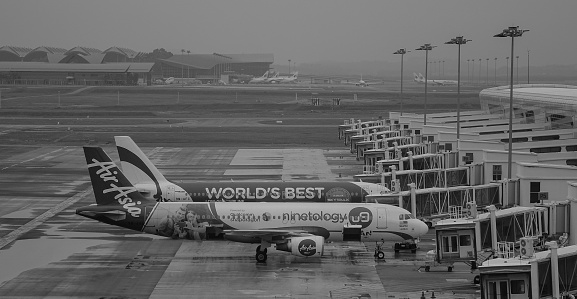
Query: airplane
x,y
284,79
420,79
141,172
261,79
299,228
272,78
363,83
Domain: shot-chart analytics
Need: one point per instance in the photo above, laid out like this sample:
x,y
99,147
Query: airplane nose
x,y
421,228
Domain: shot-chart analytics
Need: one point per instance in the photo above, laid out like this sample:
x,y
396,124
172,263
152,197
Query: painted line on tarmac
x,y
9,238
56,150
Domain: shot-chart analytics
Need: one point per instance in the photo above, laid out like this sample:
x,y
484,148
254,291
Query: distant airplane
x,y
169,80
363,83
299,228
141,172
284,79
420,79
261,79
272,78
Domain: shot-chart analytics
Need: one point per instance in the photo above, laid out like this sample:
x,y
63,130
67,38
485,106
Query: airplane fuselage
x,y
281,191
376,221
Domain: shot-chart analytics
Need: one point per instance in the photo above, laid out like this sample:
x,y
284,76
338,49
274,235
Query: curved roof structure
x,y
208,61
129,53
46,54
562,95
14,53
83,51
542,103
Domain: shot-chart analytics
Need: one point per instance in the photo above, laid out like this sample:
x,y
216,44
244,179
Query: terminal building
x,y
122,66
517,230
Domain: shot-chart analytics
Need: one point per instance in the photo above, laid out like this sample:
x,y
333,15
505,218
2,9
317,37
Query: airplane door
x,y
381,218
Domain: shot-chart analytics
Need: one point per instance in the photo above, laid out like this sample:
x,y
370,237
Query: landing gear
x,y
379,254
261,255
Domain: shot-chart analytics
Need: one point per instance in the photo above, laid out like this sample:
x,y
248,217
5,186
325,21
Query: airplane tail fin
x,y
135,164
265,75
117,201
295,74
415,77
110,185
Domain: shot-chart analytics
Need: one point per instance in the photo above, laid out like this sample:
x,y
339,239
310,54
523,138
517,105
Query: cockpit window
x,y
405,216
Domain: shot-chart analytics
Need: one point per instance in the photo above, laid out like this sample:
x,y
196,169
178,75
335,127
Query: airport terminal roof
x,y
61,55
124,51
121,67
208,61
552,93
18,51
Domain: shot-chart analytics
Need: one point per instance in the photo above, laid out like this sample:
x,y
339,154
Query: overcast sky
x,y
304,31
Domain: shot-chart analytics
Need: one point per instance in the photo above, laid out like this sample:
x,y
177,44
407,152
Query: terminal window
x,y
497,172
534,189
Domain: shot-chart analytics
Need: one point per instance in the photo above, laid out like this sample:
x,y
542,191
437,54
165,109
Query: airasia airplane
x,y
141,172
299,228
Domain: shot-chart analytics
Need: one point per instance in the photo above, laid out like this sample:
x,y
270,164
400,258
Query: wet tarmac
x,y
46,250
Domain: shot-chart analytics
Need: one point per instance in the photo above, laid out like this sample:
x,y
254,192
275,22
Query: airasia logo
x,y
307,247
361,216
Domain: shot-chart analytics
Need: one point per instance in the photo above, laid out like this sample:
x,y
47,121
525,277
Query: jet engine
x,y
303,246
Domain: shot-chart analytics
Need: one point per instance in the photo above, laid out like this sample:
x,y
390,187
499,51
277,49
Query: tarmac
x,y
47,251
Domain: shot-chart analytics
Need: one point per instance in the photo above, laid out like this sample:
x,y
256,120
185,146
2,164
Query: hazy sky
x,y
304,31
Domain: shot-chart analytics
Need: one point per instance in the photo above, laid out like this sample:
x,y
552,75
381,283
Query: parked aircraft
x,y
420,79
272,78
261,79
153,185
284,79
298,228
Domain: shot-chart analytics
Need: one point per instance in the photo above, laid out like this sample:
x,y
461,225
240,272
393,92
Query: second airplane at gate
x,y
141,172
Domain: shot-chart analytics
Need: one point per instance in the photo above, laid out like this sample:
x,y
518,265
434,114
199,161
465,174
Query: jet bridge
x,y
431,203
546,274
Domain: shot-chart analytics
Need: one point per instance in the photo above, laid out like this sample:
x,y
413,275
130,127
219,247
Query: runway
x,y
48,251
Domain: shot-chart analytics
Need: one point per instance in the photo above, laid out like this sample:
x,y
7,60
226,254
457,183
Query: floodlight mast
x,y
426,48
511,32
459,40
402,52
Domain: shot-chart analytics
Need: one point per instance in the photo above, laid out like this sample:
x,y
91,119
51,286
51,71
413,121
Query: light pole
x,y
426,48
402,52
517,76
495,83
527,66
443,69
473,70
480,66
511,32
468,77
487,73
459,40
507,74
289,67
